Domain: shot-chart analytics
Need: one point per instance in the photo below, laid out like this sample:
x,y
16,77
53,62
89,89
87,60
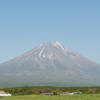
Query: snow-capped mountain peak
x,y
51,61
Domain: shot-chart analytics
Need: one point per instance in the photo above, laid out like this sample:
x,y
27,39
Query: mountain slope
x,y
50,64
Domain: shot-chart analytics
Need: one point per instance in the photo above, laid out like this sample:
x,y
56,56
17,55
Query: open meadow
x,y
57,97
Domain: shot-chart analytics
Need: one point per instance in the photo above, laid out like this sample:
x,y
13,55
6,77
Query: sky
x,y
24,24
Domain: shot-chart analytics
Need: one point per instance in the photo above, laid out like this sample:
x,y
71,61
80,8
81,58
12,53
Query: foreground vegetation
x,y
36,90
33,92
57,97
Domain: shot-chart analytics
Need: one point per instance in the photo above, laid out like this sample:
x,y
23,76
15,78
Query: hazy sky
x,y
25,24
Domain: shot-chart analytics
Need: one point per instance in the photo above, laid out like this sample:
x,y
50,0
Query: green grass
x,y
58,97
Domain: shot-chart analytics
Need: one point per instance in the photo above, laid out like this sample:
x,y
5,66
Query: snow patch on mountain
x,y
50,57
40,46
42,51
57,43
44,55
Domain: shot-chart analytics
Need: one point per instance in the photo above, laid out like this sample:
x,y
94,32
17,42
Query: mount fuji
x,y
51,64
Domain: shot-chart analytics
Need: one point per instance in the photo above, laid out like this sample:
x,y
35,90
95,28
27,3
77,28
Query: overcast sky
x,y
25,24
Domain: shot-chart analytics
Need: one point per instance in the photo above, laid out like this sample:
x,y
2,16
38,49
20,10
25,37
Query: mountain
x,y
50,64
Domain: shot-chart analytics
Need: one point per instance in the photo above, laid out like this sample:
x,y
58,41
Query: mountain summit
x,y
50,64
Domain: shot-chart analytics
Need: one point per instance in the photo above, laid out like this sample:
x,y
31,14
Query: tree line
x,y
28,90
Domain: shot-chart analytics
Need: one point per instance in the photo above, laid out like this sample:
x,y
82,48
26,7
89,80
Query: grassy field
x,y
58,97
